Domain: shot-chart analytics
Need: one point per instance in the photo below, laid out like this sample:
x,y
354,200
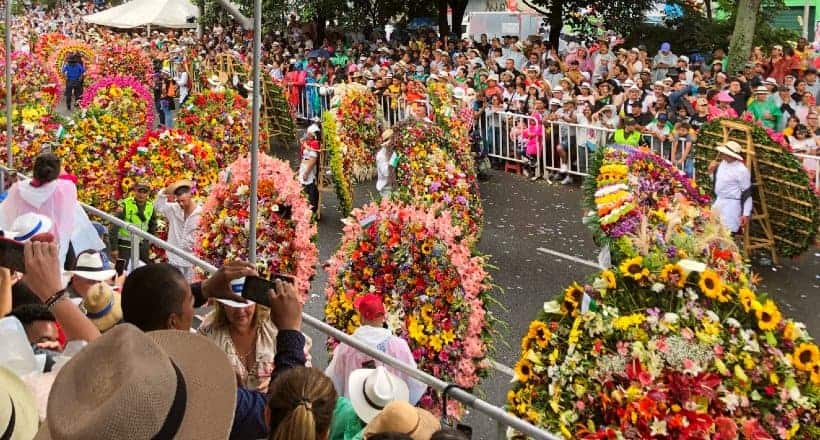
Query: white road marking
x,y
569,257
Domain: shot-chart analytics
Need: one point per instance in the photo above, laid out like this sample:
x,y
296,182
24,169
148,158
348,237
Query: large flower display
x,y
47,44
126,60
284,224
335,151
455,118
221,119
92,142
793,203
434,291
673,341
428,176
60,54
124,97
34,129
32,82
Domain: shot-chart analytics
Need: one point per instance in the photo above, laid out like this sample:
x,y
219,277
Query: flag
x,y
60,133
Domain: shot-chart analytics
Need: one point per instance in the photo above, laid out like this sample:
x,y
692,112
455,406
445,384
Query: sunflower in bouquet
x,y
220,118
672,341
357,128
285,225
435,293
428,176
126,60
34,129
125,98
32,82
160,158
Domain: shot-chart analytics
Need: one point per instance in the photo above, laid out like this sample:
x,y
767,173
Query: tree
x,y
456,9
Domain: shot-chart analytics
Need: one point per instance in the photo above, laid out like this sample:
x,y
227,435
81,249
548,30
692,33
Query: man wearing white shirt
x,y
733,187
176,203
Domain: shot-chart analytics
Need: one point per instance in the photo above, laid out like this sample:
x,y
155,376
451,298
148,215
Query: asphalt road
x,y
521,217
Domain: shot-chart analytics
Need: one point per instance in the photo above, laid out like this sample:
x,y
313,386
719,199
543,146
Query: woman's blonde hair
x,y
301,403
220,318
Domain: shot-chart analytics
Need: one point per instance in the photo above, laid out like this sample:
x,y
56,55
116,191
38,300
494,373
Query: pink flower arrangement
x,y
124,97
285,225
32,82
434,291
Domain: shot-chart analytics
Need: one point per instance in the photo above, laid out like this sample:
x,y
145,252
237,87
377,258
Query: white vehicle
x,y
498,24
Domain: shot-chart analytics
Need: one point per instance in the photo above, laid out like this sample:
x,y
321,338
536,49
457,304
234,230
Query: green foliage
x,y
620,15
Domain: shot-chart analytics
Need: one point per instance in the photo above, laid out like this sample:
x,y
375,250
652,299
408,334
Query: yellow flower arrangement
x,y
625,322
633,268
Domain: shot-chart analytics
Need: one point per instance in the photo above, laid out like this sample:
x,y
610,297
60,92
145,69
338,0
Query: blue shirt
x,y
73,71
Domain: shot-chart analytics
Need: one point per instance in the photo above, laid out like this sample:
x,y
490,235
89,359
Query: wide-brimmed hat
x,y
371,389
29,225
215,81
102,306
724,96
179,184
386,136
761,90
458,93
402,417
18,409
130,384
731,149
91,267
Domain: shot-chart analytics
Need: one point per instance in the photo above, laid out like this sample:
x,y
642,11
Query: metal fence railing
x,y
501,417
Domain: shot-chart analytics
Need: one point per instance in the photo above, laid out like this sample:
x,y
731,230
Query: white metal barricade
x,y
811,162
568,147
506,136
313,100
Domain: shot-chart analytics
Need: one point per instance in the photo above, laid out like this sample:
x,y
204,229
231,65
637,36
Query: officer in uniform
x,y
137,210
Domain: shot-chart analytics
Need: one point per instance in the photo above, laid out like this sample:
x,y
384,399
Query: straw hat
x,y
179,184
102,307
386,136
130,384
370,390
91,267
18,409
402,417
761,90
731,149
28,225
215,81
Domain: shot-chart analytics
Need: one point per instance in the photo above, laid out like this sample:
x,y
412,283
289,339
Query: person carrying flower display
x,y
308,168
386,160
733,187
346,359
183,218
138,211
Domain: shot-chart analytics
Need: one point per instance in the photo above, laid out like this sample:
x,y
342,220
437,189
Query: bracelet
x,y
54,299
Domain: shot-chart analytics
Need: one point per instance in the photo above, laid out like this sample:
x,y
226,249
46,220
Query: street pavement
x,y
522,219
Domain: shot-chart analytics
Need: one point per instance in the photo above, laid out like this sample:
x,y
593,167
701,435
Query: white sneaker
x,y
567,180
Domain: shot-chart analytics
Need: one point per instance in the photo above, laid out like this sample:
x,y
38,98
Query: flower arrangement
x,y
92,141
123,97
336,153
284,223
793,201
357,129
455,119
126,60
672,341
426,175
435,292
220,118
47,44
34,129
32,82
89,57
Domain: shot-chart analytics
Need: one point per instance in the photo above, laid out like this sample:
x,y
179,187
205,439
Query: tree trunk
x,y
708,5
556,23
741,44
321,25
458,6
443,27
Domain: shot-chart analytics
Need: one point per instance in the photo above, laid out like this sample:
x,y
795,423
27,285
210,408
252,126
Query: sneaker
x,y
567,180
525,172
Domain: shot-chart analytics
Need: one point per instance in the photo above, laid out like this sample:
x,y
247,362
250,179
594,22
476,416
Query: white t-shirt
x,y
382,169
310,175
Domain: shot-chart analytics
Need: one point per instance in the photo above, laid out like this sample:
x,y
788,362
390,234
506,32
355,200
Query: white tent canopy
x,y
138,13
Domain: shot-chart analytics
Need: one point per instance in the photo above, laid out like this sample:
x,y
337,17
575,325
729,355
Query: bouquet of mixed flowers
x,y
284,222
32,82
91,143
455,119
220,118
47,44
34,129
124,97
427,176
357,129
434,292
126,60
673,341
59,57
336,153
793,201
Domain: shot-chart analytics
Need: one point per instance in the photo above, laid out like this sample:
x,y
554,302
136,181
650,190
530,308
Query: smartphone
x,y
119,266
256,289
11,255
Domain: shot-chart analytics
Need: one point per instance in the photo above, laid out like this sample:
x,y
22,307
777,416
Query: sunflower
x,y
523,370
609,277
426,248
710,284
815,374
574,294
673,275
747,298
633,268
539,332
726,294
768,316
806,356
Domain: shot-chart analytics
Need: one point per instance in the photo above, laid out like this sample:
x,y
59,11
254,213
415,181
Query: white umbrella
x,y
138,13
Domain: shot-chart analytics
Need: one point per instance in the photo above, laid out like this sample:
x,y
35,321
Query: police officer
x,y
137,210
73,71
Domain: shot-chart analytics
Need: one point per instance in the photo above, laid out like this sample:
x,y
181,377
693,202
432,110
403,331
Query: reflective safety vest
x,y
633,139
130,211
